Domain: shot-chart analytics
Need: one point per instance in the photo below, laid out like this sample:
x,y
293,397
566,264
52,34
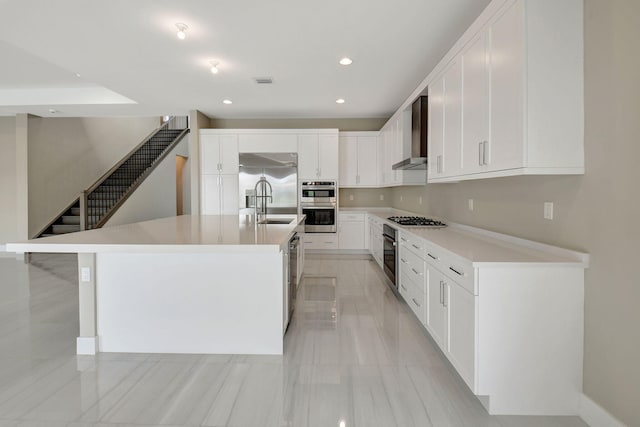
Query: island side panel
x,y
87,341
218,303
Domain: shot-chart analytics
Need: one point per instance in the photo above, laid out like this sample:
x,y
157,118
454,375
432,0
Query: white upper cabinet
x,y
318,156
521,94
358,159
445,107
268,142
395,140
218,154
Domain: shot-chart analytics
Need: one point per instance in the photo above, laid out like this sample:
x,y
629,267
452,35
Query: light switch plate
x,y
382,197
548,210
470,204
401,198
85,274
420,200
350,196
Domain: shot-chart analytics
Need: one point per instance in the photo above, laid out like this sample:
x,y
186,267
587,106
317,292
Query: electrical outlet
x,y
350,196
382,197
420,200
548,210
85,274
401,198
470,204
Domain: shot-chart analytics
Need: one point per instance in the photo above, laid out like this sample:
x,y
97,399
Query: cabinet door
x,y
436,127
505,149
209,154
452,164
351,235
229,194
328,156
229,156
460,306
211,194
367,161
383,175
308,156
435,313
475,108
348,159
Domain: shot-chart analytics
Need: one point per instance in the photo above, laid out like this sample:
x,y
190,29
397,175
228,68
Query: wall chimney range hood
x,y
418,159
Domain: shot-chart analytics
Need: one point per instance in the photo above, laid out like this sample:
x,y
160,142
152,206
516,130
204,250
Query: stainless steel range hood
x,y
418,159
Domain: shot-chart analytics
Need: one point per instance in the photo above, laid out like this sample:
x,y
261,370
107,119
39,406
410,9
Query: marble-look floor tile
x,y
354,353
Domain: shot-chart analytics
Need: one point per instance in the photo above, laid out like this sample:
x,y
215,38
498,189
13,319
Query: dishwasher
x,y
294,245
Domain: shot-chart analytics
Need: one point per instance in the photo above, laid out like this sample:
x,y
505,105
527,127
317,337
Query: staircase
x,y
99,202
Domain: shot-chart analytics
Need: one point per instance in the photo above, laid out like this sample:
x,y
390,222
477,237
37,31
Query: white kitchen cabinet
x,y
318,156
395,137
267,142
522,92
320,241
218,153
358,159
375,238
435,323
351,231
219,194
460,307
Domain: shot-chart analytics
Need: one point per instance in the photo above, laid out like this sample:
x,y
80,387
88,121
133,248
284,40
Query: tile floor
x,y
354,356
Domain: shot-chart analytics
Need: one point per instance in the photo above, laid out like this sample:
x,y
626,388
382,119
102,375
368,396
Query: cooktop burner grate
x,y
417,221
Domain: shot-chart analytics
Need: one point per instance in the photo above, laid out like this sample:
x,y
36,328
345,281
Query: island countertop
x,y
185,234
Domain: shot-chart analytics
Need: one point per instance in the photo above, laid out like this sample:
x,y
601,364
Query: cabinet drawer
x,y
351,216
413,267
415,298
320,241
413,243
455,268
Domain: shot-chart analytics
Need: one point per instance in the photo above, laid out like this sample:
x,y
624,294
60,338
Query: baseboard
x,y
595,415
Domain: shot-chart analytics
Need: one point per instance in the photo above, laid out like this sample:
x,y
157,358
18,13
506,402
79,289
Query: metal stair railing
x,y
100,201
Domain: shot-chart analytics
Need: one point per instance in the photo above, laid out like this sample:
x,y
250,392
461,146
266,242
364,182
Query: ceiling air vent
x,y
263,80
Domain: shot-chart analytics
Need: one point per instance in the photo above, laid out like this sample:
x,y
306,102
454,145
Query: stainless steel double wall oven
x,y
318,201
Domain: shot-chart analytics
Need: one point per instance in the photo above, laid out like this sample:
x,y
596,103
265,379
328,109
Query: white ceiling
x,y
131,63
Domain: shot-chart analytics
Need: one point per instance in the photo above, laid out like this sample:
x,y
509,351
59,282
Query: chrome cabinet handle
x,y
415,302
417,247
415,271
431,256
440,291
403,260
403,239
480,154
456,271
402,286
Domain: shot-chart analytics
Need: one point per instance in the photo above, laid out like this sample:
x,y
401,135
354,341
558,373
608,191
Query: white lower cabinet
x,y
375,238
436,324
321,241
460,312
351,231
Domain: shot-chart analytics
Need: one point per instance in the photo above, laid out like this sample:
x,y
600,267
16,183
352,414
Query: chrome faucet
x,y
263,191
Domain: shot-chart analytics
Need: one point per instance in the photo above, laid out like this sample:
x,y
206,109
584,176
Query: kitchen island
x,y
209,284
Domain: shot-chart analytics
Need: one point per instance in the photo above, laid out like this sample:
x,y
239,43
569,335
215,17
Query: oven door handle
x,y
318,207
393,242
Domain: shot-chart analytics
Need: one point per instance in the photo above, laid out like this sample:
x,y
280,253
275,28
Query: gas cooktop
x,y
417,221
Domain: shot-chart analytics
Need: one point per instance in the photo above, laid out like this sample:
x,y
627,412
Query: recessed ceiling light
x,y
53,111
339,101
346,61
77,74
182,28
228,101
214,67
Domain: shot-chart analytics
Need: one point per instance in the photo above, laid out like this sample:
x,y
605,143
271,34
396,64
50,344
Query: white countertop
x,y
481,247
186,233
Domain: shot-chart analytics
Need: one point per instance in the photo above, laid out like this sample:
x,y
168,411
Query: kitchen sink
x,y
275,221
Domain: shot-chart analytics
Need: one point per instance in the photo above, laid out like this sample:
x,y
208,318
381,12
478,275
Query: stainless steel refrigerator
x,y
281,172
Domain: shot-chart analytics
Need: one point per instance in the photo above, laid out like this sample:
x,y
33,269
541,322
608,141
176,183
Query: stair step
x,y
64,228
71,220
75,211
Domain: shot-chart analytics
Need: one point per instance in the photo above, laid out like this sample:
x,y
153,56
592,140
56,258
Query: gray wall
x,y
365,197
598,213
67,155
8,223
344,125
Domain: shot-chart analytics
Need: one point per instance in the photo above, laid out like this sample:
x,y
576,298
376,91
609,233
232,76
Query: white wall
x,y
8,223
67,155
156,196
